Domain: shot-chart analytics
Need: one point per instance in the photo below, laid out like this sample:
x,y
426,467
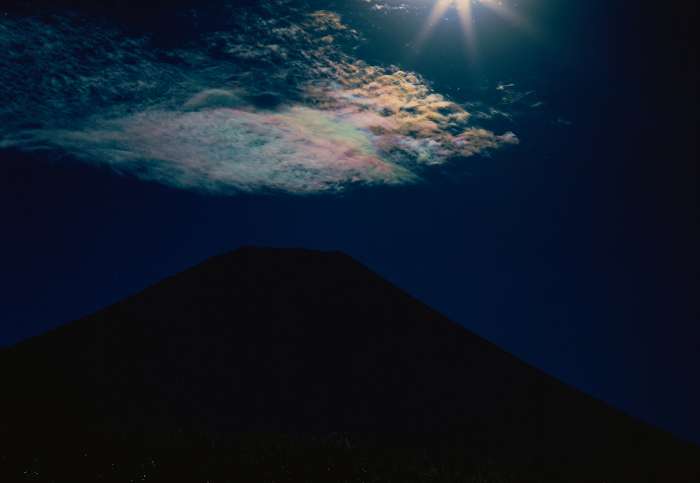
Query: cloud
x,y
297,150
271,103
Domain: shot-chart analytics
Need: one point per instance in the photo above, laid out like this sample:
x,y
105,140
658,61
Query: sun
x,y
464,11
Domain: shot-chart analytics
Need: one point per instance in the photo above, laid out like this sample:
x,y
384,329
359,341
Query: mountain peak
x,y
305,341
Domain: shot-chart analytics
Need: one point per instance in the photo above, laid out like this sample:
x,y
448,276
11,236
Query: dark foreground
x,y
47,444
299,342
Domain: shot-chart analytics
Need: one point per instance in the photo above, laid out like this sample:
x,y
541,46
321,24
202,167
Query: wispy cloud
x,y
271,104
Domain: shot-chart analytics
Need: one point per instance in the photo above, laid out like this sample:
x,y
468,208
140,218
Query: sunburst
x,y
464,11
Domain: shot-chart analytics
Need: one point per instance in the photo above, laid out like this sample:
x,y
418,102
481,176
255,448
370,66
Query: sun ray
x,y
508,15
436,14
464,11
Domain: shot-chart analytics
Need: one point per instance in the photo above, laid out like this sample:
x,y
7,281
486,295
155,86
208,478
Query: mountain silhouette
x,y
294,340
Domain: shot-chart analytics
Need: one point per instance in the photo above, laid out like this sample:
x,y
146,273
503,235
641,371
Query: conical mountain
x,y
293,340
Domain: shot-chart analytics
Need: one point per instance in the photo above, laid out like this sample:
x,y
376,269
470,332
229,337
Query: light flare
x,y
464,11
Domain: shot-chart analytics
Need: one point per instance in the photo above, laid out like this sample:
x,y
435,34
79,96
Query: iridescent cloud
x,y
274,104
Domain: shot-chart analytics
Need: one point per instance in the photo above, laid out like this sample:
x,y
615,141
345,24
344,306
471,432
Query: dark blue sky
x,y
575,250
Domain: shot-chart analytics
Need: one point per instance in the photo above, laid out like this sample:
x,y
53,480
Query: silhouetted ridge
x,y
277,339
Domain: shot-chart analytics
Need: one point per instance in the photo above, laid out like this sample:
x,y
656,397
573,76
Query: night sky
x,y
529,170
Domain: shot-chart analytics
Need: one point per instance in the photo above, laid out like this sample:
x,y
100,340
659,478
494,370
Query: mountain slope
x,y
296,340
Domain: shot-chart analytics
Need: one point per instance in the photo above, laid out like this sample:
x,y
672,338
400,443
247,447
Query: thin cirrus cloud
x,y
272,104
